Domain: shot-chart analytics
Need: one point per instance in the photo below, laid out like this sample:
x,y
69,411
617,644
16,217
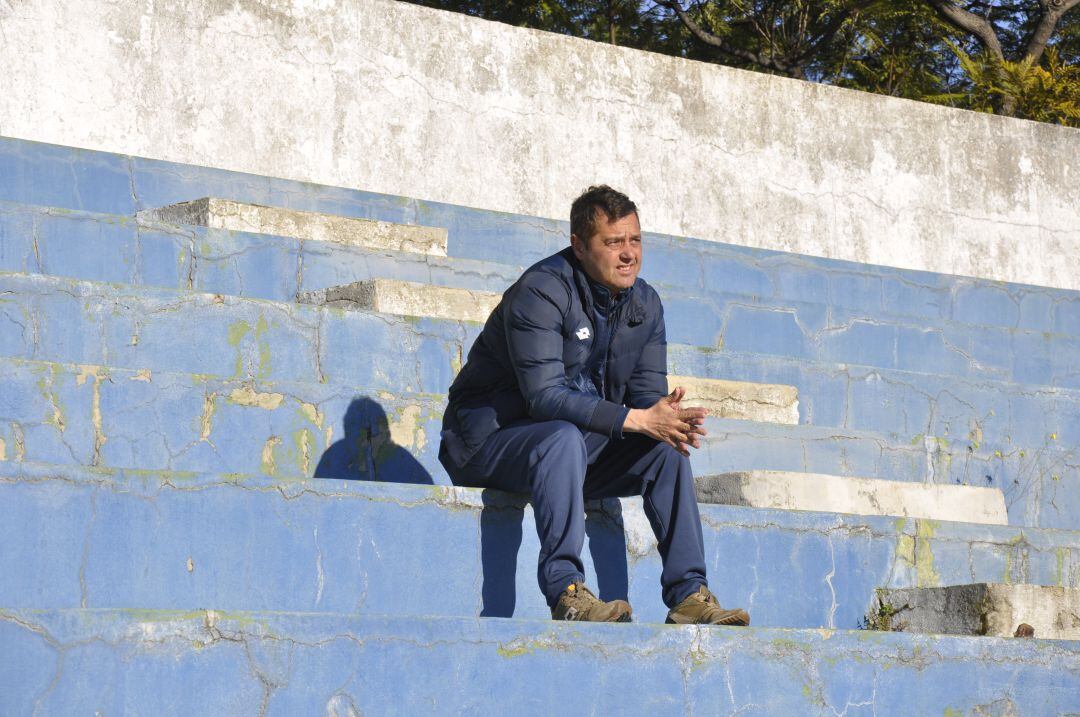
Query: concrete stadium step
x,y
88,414
110,248
885,400
907,403
769,403
92,415
81,537
222,663
75,179
1037,488
772,330
1011,417
984,609
788,490
221,213
82,322
889,401
86,323
278,268
406,298
824,332
34,302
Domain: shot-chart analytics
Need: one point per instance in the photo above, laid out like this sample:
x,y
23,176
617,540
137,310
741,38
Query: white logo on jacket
x,y
584,333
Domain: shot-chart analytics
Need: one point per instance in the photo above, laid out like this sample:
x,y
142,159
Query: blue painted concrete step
x,y
49,175
205,662
80,414
110,248
802,317
122,418
78,537
89,322
183,332
57,319
1008,416
101,248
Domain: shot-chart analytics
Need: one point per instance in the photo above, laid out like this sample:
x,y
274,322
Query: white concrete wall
x,y
394,98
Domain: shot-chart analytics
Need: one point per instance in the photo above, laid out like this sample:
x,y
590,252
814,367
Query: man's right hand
x,y
668,422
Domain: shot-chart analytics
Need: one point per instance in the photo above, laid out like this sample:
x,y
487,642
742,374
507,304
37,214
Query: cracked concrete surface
x,y
408,299
987,609
789,490
335,538
125,415
740,399
894,189
323,664
933,380
231,215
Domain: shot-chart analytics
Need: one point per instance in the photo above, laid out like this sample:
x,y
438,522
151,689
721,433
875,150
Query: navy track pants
x,y
561,467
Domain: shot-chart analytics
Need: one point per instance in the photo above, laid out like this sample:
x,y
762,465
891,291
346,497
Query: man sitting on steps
x,y
564,397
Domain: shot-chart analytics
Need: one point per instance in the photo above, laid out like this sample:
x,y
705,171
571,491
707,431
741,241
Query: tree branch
x,y
835,23
971,23
1052,12
770,61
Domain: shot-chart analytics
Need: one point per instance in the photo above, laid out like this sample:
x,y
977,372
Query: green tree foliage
x,y
1047,92
622,22
799,38
1018,58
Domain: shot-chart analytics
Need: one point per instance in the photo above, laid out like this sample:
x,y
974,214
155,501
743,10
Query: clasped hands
x,y
667,421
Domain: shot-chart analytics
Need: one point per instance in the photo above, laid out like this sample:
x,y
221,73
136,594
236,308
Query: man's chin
x,y
619,282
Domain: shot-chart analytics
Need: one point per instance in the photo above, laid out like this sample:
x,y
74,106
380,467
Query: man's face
x,y
612,256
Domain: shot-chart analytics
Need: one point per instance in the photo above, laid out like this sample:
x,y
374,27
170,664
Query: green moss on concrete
x,y
236,333
261,328
927,575
519,648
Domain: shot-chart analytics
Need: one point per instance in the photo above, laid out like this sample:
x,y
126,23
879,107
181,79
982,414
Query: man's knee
x,y
672,465
560,436
560,455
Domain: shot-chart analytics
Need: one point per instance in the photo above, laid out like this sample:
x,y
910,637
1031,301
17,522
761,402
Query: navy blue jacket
x,y
528,360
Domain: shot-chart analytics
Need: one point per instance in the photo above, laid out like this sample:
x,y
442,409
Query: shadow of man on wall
x,y
368,452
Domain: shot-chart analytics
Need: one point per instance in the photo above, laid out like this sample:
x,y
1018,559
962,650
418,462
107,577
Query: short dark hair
x,y
600,198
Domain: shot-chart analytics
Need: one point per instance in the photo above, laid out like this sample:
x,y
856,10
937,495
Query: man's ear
x,y
577,245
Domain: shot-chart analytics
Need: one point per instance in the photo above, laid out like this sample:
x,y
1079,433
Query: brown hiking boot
x,y
577,603
701,608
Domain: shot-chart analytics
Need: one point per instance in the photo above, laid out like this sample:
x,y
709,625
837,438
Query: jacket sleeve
x,y
534,337
648,383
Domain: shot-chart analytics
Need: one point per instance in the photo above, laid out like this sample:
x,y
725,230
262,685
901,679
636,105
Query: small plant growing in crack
x,y
883,618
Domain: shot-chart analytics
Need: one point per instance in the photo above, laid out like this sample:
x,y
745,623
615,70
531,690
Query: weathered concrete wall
x,y
407,101
900,375
210,662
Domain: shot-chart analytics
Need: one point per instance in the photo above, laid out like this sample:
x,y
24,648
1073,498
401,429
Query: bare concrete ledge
x,y
984,609
407,298
310,226
858,496
766,402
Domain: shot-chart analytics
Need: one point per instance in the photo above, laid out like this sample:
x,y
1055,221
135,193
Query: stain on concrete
x,y
207,418
927,575
246,395
269,461
97,373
